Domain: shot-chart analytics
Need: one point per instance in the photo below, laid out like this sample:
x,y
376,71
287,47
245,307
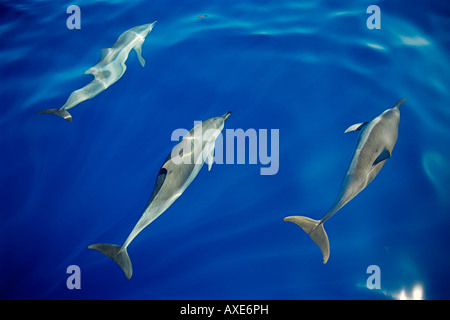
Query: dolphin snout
x,y
226,115
398,104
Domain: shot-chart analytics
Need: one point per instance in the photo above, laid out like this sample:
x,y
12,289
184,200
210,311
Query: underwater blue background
x,y
307,68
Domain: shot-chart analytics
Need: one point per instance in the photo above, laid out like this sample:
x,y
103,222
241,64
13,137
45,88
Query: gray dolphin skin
x,y
108,70
179,169
375,144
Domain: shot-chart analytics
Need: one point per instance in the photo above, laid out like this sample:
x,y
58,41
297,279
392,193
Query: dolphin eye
x,y
162,171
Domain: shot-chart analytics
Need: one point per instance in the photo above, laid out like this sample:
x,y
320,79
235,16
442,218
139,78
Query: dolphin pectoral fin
x,y
138,49
119,255
384,155
210,159
357,126
141,60
161,178
158,184
315,231
209,163
63,113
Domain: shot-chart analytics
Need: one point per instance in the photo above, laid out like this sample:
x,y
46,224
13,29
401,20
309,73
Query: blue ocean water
x,y
306,68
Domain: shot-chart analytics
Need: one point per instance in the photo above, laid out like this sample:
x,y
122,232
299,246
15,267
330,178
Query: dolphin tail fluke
x,y
119,255
316,231
63,113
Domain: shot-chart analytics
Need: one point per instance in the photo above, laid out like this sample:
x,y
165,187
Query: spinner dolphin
x,y
108,70
178,171
375,144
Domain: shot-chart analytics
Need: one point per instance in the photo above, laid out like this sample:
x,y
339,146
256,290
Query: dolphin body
x,y
179,169
108,70
375,144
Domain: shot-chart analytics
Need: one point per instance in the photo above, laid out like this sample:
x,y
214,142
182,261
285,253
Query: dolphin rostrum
x,y
375,144
179,169
108,70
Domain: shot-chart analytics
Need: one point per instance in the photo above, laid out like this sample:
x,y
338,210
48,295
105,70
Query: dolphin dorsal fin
x,y
105,52
357,126
384,155
91,71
